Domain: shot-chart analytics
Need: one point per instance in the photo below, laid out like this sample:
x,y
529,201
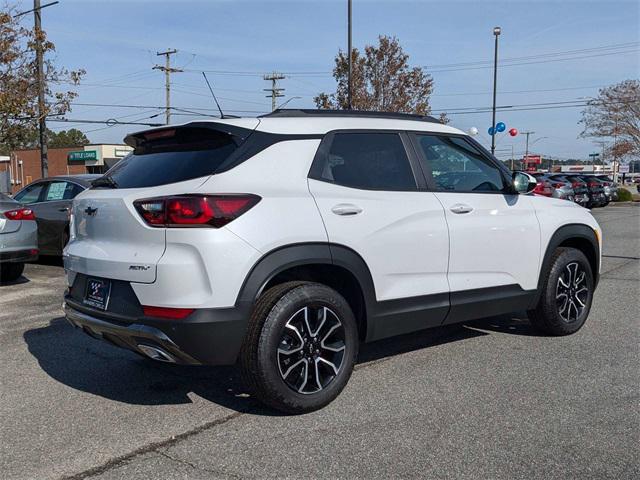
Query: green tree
x,y
18,90
67,138
381,80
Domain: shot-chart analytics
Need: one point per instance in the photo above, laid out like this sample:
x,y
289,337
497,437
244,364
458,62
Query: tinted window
x,y
31,194
62,191
189,153
369,161
456,165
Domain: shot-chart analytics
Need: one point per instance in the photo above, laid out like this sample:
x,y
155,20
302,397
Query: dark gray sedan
x,y
50,199
18,238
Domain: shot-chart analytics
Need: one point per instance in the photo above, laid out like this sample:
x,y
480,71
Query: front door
x,y
494,234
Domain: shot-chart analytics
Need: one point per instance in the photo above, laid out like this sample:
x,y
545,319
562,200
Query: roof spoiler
x,y
138,139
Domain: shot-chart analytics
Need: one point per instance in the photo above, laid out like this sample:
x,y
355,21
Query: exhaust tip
x,y
156,353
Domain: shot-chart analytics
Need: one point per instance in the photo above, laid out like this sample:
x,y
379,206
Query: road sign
x,y
623,169
82,155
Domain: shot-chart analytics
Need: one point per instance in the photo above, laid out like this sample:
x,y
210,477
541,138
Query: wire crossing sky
x,y
554,56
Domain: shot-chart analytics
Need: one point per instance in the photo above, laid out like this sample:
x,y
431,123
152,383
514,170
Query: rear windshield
x,y
181,155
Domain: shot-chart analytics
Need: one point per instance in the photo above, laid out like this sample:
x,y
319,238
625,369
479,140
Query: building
x,y
23,166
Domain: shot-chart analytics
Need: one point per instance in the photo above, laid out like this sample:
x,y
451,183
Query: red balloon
x,y
513,132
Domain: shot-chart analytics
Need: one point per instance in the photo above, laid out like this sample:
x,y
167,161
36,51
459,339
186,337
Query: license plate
x,y
97,293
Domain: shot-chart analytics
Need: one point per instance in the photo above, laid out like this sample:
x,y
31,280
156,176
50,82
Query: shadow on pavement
x,y
80,362
22,279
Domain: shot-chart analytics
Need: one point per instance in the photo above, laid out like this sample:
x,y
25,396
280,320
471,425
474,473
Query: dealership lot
x,y
488,399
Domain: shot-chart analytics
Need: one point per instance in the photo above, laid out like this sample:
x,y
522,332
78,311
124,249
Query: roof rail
x,y
297,113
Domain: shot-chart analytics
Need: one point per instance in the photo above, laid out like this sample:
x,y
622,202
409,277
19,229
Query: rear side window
x,y
31,194
373,161
175,156
62,191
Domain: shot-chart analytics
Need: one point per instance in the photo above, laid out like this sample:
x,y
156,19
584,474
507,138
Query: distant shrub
x,y
624,195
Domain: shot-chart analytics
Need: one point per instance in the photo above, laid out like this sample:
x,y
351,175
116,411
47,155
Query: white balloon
x,y
473,131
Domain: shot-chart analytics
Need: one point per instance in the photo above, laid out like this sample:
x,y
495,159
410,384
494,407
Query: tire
x,y
566,295
10,272
284,360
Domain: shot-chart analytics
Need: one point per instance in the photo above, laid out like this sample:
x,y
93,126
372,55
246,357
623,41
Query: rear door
x,y
368,193
494,235
52,215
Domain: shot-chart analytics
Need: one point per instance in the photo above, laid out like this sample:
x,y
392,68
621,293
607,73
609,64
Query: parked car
x,y
284,241
579,187
50,199
18,238
560,188
610,187
596,191
543,185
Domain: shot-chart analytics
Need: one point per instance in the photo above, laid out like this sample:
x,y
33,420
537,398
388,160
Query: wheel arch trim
x,y
310,253
562,234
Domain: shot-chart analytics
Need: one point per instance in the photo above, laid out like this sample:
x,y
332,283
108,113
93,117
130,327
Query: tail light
x,y
166,312
20,214
194,210
576,184
543,188
592,184
557,185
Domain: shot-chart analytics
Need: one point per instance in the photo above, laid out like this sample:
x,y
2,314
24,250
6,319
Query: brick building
x,y
24,167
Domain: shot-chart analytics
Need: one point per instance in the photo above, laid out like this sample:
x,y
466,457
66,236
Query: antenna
x,y
214,95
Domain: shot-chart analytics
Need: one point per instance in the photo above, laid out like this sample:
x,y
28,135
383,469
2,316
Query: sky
x,y
238,41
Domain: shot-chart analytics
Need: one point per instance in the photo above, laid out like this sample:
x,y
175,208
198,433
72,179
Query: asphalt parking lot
x,y
490,399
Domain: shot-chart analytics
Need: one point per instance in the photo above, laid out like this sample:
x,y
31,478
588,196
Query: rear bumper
x,y
206,337
19,256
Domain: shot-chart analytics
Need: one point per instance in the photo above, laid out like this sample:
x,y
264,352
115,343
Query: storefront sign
x,y
82,155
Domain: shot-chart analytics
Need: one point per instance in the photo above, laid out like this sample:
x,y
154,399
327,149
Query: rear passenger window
x,y
374,161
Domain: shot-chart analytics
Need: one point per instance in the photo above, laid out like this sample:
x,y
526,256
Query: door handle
x,y
346,209
66,209
461,208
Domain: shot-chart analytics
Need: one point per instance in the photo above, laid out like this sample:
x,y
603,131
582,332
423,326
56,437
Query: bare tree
x,y
382,80
18,88
615,114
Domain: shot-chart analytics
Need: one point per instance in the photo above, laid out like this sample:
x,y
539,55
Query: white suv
x,y
282,242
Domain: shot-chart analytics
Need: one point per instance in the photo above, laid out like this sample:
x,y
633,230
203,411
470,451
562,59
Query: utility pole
x,y
496,33
167,79
275,90
42,125
602,144
512,157
526,150
349,48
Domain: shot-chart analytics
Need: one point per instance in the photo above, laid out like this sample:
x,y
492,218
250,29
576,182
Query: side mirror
x,y
523,182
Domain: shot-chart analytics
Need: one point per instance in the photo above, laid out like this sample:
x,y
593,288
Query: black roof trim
x,y
297,113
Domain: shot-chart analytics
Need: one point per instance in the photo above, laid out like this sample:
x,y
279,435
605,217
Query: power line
x,y
542,55
598,51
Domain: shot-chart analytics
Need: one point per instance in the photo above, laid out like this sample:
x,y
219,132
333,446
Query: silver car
x,y
18,238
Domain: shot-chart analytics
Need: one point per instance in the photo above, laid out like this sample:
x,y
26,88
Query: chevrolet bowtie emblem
x,y
90,211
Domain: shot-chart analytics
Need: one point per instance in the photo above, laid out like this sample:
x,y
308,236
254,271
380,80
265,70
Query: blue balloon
x,y
490,130
500,127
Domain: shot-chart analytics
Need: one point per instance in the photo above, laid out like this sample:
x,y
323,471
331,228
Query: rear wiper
x,y
105,181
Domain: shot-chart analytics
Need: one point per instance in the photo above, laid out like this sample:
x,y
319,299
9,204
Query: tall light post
x,y
496,33
349,48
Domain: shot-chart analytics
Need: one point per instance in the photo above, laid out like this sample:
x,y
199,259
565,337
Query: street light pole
x,y
349,48
496,33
